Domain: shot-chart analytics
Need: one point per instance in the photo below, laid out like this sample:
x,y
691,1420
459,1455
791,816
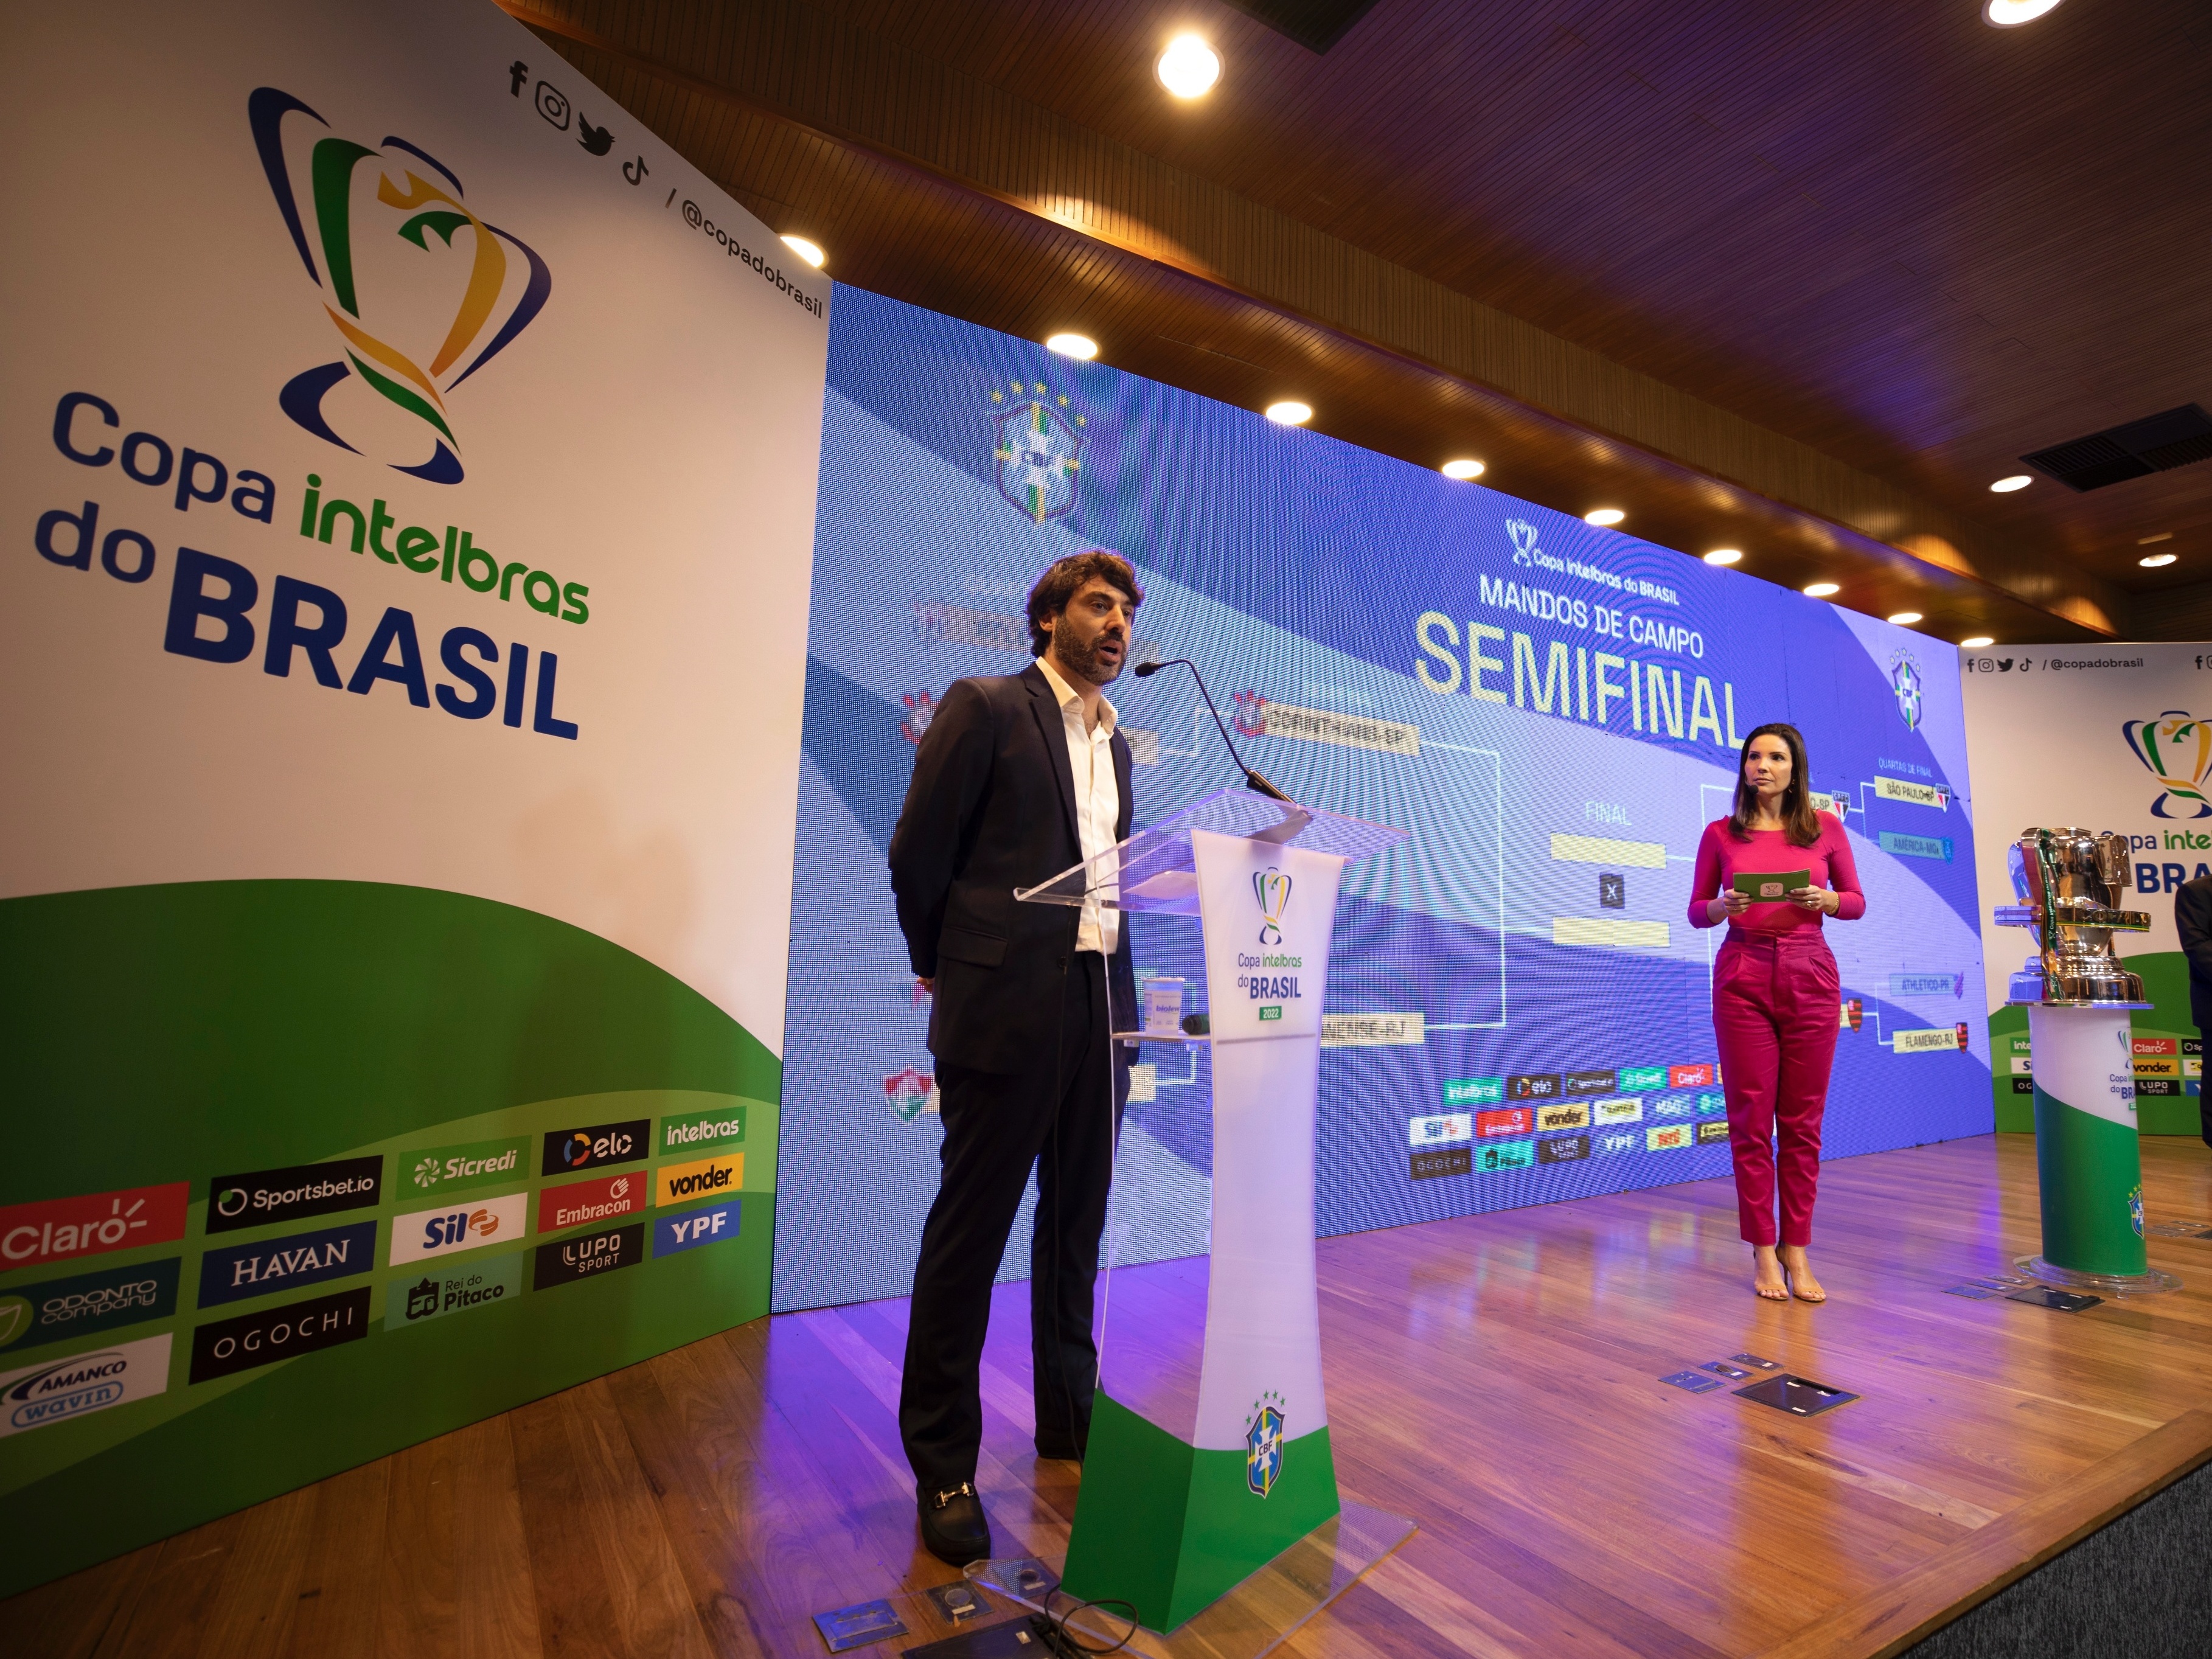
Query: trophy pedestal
x,y
2088,1161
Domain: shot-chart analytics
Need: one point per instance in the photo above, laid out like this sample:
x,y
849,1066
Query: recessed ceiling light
x,y
1462,469
1290,412
1188,68
1906,618
1072,345
810,252
2162,536
1822,590
1725,556
2006,486
2152,561
2011,14
1976,643
1603,516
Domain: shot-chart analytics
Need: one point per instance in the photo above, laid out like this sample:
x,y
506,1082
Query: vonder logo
x,y
679,1184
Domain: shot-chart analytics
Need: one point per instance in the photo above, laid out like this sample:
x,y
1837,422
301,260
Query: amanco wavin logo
x,y
415,319
2176,749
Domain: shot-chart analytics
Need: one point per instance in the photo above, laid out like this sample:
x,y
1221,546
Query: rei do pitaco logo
x,y
421,293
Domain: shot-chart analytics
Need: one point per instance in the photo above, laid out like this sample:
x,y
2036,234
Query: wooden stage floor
x,y
1494,1377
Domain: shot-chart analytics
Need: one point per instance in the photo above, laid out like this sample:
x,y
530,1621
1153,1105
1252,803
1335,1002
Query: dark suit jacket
x,y
2192,919
991,808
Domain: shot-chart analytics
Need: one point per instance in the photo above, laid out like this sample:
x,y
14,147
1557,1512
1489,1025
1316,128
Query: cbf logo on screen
x,y
387,391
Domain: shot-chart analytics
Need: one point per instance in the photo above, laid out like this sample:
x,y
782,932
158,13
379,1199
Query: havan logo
x,y
281,1264
371,291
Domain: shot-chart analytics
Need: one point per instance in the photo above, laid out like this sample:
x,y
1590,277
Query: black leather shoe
x,y
1059,1446
954,1528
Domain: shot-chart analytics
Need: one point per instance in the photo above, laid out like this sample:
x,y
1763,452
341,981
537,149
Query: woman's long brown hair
x,y
1799,821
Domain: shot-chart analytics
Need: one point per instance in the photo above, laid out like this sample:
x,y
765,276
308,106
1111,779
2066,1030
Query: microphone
x,y
1253,780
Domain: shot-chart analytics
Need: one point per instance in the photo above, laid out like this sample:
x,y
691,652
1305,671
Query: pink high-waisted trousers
x,y
1775,1008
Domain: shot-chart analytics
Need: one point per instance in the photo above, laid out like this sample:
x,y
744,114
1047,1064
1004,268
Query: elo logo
x,y
567,1151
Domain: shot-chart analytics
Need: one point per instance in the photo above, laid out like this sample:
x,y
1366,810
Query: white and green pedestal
x,y
2088,1160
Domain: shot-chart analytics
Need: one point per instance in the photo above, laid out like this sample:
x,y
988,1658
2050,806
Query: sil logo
x,y
1273,889
2176,749
477,285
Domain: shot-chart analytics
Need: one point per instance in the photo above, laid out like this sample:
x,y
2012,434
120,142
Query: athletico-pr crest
x,y
1038,457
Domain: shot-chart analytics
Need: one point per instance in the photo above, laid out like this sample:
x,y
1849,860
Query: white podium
x,y
1209,1460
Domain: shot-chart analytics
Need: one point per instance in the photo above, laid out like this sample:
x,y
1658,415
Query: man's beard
x,y
1082,657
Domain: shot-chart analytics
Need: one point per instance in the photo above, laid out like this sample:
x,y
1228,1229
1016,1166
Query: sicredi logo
x,y
1534,1086
1709,1132
1473,1090
449,1230
1590,1083
1564,1149
85,1304
1689,1077
293,1194
284,1264
585,1201
1620,1110
692,1228
59,1229
586,1256
1614,1143
1576,1116
679,1184
1513,1155
567,1151
1666,1137
1442,1130
477,1163
1511,1121
84,1382
1640,1080
230,1345
699,1130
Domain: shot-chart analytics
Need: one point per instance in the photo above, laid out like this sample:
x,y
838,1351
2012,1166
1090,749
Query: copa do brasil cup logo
x,y
420,292
2177,749
1273,889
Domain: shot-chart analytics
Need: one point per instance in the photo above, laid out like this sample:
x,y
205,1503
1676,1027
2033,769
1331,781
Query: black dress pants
x,y
1060,1114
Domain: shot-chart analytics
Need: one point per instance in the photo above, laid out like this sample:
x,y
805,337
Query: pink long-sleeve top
x,y
1721,858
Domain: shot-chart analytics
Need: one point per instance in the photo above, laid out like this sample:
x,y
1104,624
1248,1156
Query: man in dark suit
x,y
2192,920
1019,777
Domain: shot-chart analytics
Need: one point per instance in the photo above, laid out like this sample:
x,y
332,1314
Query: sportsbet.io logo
x,y
414,318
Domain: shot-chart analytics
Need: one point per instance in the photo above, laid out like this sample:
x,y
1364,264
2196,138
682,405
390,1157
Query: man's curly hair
x,y
1064,579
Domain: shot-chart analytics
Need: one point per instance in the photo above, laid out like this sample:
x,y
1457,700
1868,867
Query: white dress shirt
x,y
1097,803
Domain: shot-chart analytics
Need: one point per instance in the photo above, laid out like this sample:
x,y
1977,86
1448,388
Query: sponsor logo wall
x,y
1516,1002
384,545
2138,764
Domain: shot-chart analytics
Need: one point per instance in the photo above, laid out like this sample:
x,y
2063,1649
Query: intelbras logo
x,y
294,1193
699,1130
60,1389
568,1151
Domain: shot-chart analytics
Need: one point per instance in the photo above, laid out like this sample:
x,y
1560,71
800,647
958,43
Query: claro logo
x,y
59,1229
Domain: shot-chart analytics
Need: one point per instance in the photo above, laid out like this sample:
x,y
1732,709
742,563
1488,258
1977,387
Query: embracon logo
x,y
499,297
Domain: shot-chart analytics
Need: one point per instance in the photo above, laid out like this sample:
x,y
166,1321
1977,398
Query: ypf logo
x,y
2177,748
468,297
1273,889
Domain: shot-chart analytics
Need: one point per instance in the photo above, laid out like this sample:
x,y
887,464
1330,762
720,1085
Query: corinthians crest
x,y
2177,749
1904,681
1038,455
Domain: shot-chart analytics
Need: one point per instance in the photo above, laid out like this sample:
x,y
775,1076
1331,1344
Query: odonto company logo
x,y
2176,749
1037,452
412,326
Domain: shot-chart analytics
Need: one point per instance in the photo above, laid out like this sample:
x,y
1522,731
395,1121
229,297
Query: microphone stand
x,y
1253,780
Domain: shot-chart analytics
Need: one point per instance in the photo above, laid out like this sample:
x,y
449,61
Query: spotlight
x,y
1290,412
2152,561
1725,556
1604,517
1906,618
1188,68
2006,486
1462,470
1072,345
1976,643
810,252
1822,590
2011,14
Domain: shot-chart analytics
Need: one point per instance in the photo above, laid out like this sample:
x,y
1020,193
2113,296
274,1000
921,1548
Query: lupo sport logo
x,y
2177,749
497,298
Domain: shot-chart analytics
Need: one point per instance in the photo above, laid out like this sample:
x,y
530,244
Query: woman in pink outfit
x,y
1776,998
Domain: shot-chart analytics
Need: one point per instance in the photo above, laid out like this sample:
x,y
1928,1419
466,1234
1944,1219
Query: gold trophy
x,y
2069,882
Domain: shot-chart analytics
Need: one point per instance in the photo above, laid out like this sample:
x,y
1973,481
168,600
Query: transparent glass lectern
x,y
1209,1499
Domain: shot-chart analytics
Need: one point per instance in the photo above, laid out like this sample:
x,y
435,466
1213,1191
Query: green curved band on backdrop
x,y
175,1033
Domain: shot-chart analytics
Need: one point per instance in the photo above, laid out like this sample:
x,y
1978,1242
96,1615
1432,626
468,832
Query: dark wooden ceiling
x,y
1808,277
